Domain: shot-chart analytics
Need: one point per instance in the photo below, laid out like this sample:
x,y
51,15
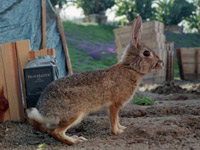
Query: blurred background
x,y
89,26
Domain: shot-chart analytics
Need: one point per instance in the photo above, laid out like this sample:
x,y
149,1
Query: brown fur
x,y
66,101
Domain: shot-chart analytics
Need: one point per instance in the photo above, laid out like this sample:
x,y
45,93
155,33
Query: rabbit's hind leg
x,y
114,119
59,132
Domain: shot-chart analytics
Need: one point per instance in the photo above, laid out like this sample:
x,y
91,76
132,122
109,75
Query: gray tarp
x,y
21,19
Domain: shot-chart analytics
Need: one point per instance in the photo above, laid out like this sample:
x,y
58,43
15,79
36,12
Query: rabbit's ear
x,y
136,31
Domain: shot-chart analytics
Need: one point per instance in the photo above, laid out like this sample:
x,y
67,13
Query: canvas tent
x,y
21,19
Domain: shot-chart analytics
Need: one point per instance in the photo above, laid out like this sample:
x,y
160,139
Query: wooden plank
x,y
126,30
12,81
155,37
43,52
122,30
51,52
155,45
188,76
170,62
43,23
189,62
151,24
67,58
5,115
172,65
31,55
118,43
188,51
23,49
196,62
198,69
37,53
188,59
147,37
178,54
161,27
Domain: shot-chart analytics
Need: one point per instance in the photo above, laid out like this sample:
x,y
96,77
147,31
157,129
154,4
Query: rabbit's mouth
x,y
159,65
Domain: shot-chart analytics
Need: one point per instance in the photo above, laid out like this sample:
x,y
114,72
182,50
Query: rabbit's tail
x,y
34,114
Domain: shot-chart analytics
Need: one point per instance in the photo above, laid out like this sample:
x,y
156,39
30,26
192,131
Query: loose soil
x,y
173,122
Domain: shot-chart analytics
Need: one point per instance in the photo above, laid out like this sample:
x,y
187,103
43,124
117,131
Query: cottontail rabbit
x,y
66,101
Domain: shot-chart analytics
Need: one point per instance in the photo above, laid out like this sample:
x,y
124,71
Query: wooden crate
x,y
189,63
153,26
11,83
153,36
14,57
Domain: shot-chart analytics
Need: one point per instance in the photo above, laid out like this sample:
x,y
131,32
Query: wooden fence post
x,y
62,34
43,24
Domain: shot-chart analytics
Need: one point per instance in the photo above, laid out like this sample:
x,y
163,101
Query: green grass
x,y
82,62
92,32
183,40
78,33
42,146
143,101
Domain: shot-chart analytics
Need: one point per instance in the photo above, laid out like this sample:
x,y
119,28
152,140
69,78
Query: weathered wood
x,y
170,62
3,115
42,52
51,51
12,81
23,49
196,63
62,34
153,36
147,27
31,55
43,23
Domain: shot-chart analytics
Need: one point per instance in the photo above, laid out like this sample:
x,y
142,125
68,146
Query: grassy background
x,y
78,34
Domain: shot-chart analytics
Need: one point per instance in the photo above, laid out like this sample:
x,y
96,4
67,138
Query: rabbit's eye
x,y
146,53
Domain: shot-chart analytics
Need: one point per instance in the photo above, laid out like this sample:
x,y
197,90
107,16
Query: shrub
x,y
58,2
172,12
194,20
143,101
133,8
95,6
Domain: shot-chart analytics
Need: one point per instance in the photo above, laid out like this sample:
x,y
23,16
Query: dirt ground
x,y
173,122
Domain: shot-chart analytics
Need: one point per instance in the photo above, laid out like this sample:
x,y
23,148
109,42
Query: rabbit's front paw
x,y
117,131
